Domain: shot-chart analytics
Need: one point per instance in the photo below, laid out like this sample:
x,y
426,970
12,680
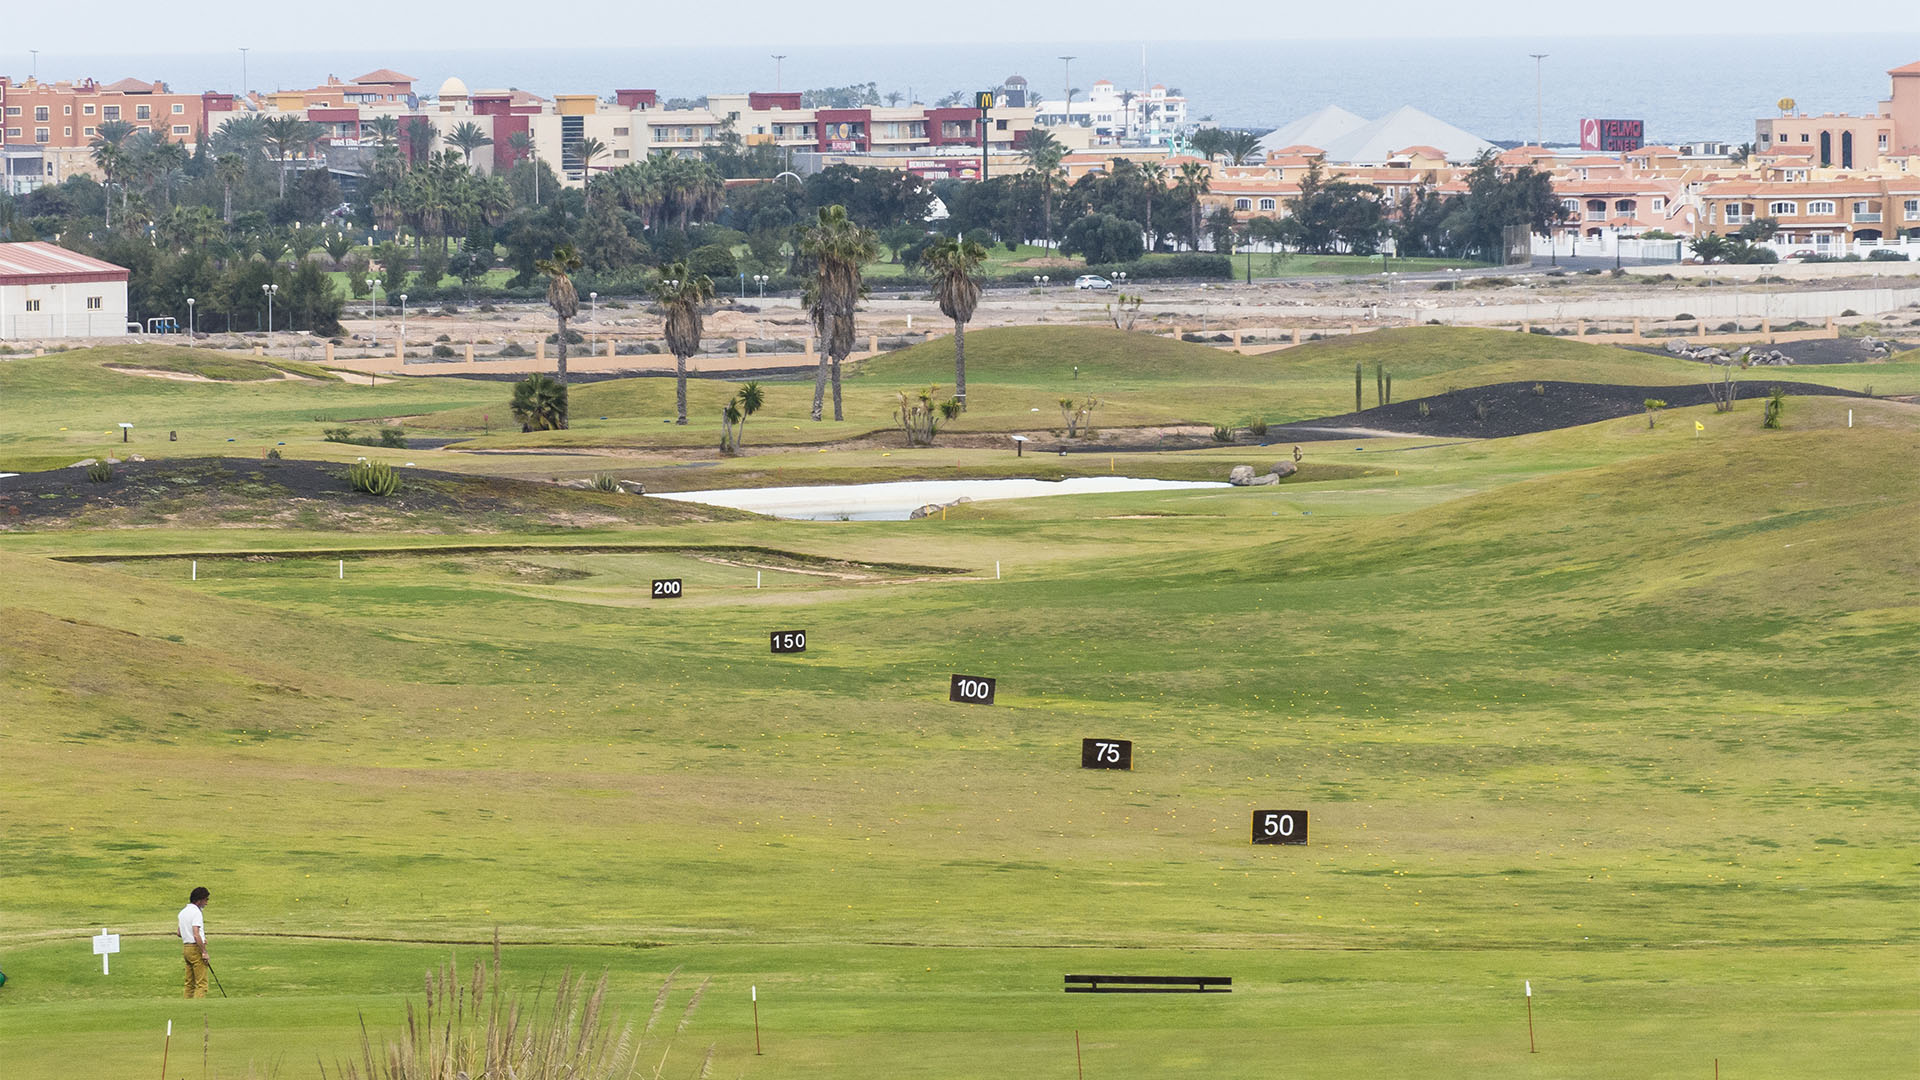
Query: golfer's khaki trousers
x,y
196,971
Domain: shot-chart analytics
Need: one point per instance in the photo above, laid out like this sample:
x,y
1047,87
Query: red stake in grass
x,y
1531,1049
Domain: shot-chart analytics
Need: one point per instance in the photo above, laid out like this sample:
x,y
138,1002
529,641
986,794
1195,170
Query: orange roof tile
x,y
384,75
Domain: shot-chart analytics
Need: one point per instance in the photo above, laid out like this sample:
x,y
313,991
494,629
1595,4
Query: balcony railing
x,y
1866,219
1596,215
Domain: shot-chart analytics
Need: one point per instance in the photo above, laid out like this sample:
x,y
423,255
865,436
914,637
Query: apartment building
x,y
47,129
1847,141
1819,215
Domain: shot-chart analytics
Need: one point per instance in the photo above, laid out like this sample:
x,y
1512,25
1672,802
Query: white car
x,y
1092,281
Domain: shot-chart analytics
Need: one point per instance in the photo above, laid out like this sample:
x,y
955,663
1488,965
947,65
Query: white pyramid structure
x,y
1317,128
1377,140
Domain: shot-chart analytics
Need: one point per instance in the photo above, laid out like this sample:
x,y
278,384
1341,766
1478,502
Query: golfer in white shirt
x,y
193,942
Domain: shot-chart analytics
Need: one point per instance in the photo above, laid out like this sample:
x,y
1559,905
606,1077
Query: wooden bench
x,y
1148,984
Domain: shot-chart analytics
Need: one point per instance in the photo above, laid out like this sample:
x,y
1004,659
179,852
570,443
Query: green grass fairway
x,y
1626,712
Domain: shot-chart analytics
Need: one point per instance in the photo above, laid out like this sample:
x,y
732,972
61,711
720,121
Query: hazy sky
x,y
127,26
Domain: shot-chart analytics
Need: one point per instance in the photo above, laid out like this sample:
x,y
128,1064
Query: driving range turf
x,y
1626,712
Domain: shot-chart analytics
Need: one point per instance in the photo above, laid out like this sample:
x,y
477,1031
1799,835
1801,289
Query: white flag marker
x,y
1529,987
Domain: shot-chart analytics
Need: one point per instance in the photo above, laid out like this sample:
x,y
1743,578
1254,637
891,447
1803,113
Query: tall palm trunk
x,y
960,362
820,383
836,389
680,387
562,351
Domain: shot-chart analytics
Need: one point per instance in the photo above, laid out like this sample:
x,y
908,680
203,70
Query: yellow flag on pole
x,y
1698,426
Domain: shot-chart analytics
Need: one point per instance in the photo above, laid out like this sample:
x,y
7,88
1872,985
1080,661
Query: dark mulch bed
x,y
1504,409
1814,351
252,488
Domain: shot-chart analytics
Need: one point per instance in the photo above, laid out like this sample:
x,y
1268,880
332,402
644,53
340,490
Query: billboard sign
x,y
1612,136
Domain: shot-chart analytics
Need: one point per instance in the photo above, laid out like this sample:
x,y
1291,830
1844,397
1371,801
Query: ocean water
x,y
1685,88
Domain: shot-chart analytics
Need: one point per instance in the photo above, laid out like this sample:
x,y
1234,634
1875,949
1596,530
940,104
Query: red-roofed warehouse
x,y
47,291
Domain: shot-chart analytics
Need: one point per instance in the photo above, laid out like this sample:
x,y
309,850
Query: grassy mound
x,y
1025,355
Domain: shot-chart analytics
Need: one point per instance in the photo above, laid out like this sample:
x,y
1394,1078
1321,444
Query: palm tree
x,y
286,134
750,398
952,263
229,169
110,153
586,150
1195,181
1044,155
562,297
468,137
1154,176
522,145
681,292
1208,142
540,403
838,248
420,134
1241,147
386,130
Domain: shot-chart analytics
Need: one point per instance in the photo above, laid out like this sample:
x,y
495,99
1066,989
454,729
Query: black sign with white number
x,y
1279,826
789,640
971,690
1106,753
666,588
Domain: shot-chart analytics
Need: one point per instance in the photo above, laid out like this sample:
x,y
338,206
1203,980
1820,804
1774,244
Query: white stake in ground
x,y
104,947
1531,1049
343,569
753,992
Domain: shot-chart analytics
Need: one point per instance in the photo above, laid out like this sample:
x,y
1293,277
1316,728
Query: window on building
x,y
42,135
86,110
143,112
620,153
89,132
33,305
1820,206
93,303
1805,137
67,110
621,131
182,129
1659,203
1883,142
110,112
1783,209
40,113
13,133
1266,204
66,133
1243,204
13,110
179,109
1913,209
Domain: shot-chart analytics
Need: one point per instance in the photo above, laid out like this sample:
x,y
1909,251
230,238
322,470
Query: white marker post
x,y
1531,1048
996,569
343,569
196,570
753,992
104,947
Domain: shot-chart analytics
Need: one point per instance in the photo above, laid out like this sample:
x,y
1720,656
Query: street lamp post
x,y
1067,65
271,291
243,74
1539,112
189,322
760,281
1121,277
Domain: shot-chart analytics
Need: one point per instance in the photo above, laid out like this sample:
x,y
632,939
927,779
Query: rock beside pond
x,y
1283,469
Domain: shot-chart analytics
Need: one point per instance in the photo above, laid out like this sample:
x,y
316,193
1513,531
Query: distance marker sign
x,y
788,641
970,690
1279,826
1106,753
666,588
